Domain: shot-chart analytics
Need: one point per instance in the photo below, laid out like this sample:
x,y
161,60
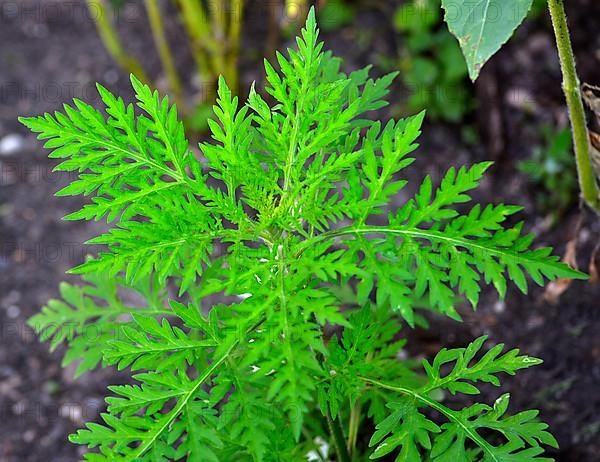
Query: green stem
x,y
166,57
587,181
234,32
218,20
195,20
356,412
338,438
273,31
112,43
353,426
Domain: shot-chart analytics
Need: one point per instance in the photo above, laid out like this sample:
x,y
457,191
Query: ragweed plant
x,y
273,302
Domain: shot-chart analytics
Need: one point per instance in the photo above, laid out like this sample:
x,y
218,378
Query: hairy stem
x,y
111,41
587,181
164,51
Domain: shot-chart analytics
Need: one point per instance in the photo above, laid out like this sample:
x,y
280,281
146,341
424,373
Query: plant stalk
x,y
195,20
353,426
215,37
234,33
338,438
166,57
571,87
111,41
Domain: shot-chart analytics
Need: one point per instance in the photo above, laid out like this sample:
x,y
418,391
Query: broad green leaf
x,y
483,26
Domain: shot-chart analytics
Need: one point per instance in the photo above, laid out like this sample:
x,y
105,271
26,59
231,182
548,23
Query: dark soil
x,y
47,57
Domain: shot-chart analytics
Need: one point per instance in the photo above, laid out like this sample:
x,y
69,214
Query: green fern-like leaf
x,y
415,435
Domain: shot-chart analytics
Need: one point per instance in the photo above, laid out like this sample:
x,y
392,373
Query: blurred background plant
x,y
431,63
213,31
334,14
538,9
551,170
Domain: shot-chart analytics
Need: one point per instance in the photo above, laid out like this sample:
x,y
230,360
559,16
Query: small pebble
x,y
36,30
91,409
499,306
28,436
520,98
111,76
51,387
10,299
11,144
19,408
13,311
71,411
584,235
